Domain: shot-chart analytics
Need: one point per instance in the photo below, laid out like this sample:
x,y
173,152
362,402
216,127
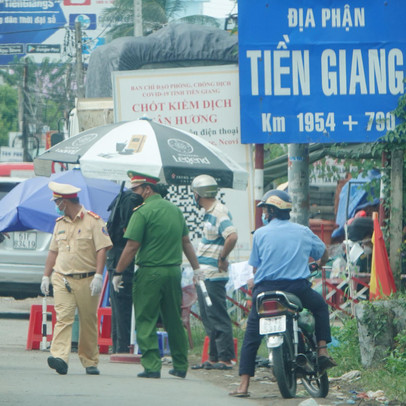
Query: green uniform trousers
x,y
157,291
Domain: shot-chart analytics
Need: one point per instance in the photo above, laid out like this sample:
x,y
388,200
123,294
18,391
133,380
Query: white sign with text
x,y
203,101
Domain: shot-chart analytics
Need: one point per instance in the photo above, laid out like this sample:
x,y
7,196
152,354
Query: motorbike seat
x,y
288,299
295,300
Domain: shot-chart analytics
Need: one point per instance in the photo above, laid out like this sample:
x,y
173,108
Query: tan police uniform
x,y
77,243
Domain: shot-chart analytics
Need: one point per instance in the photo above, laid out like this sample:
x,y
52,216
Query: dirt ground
x,y
263,388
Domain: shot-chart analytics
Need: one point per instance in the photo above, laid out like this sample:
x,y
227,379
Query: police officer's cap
x,y
63,190
138,179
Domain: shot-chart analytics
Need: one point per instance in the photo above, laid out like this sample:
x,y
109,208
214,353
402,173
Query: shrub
x,y
347,352
395,363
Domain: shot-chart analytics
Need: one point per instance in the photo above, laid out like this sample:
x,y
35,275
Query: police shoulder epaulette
x,y
96,216
59,218
136,208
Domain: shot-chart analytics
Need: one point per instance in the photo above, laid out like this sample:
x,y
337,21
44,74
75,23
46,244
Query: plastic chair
x,y
104,339
35,326
189,297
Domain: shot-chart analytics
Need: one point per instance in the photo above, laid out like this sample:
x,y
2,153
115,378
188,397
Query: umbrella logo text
x,y
84,140
180,146
194,160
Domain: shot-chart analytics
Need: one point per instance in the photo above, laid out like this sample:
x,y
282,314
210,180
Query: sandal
x,y
208,365
325,363
205,365
237,394
221,366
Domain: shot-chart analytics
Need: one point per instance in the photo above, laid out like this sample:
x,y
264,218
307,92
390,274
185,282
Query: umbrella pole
x,y
347,253
349,270
44,342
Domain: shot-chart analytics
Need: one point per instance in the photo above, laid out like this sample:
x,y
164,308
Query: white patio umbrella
x,y
173,155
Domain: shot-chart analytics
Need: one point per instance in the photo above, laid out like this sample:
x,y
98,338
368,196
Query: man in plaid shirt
x,y
218,240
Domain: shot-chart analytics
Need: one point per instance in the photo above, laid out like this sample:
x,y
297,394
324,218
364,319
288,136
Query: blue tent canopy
x,y
29,206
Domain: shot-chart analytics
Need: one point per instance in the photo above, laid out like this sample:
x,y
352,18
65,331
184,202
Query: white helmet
x,y
205,186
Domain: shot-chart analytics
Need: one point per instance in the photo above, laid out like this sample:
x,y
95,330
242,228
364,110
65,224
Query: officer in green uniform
x,y
157,234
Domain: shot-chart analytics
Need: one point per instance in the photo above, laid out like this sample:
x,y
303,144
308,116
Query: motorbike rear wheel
x,y
316,387
284,369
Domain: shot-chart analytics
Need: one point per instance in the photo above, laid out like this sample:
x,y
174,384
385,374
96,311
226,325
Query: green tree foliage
x,y
8,112
272,151
48,91
155,15
394,140
120,16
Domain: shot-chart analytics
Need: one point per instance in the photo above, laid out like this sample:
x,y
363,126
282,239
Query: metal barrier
x,y
341,294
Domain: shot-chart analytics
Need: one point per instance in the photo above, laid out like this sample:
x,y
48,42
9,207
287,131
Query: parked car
x,y
22,255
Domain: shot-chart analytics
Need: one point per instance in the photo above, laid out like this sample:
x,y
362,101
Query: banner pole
x,y
259,182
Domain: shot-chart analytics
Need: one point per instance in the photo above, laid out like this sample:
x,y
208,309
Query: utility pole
x,y
396,213
138,18
79,63
25,114
298,181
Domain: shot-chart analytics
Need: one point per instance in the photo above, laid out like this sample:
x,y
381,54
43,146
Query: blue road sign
x,y
87,21
22,21
320,71
43,28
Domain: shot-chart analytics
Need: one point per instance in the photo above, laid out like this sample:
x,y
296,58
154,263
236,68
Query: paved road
x,y
26,379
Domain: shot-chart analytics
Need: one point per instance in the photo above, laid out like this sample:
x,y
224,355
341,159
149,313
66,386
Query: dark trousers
x,y
121,311
216,321
310,299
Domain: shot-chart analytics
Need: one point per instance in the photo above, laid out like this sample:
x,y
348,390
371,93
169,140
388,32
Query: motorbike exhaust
x,y
303,362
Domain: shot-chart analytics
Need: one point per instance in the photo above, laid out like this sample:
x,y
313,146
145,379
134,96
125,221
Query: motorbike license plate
x,y
271,325
25,240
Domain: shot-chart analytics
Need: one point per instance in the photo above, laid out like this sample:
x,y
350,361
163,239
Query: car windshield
x,y
5,187
22,254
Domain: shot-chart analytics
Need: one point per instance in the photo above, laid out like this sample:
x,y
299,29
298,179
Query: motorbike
x,y
291,343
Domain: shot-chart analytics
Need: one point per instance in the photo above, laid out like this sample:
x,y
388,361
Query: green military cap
x,y
138,178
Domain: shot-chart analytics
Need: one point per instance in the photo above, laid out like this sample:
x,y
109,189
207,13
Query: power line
x,y
39,29
67,26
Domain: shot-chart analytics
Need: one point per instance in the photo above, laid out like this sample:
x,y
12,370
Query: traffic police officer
x,y
157,234
76,259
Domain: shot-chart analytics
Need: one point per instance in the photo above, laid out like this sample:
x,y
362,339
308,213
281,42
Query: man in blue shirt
x,y
280,256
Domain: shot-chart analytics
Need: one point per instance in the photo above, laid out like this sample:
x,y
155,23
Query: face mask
x,y
367,250
139,189
264,219
196,202
139,196
59,212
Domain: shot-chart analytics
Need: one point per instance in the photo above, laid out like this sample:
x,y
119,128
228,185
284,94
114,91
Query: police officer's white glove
x,y
198,275
96,285
117,283
45,285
